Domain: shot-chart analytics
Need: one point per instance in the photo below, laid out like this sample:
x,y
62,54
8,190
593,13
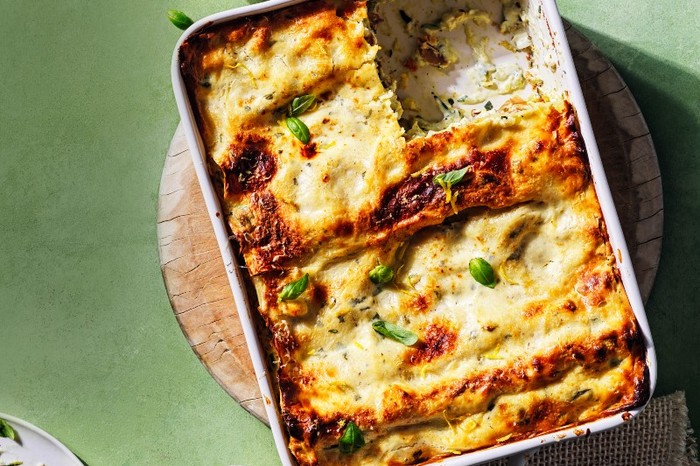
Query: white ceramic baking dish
x,y
549,38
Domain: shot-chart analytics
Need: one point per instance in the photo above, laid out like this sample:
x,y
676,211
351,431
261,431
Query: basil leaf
x,y
6,430
482,272
430,27
395,332
179,19
488,106
298,129
579,394
451,178
352,439
301,104
294,289
381,274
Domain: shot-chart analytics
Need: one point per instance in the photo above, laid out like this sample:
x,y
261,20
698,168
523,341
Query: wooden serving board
x,y
194,273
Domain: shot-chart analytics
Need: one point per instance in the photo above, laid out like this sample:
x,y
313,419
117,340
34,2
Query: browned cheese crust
x,y
554,344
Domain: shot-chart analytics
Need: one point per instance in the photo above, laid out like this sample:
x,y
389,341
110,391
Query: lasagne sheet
x,y
551,342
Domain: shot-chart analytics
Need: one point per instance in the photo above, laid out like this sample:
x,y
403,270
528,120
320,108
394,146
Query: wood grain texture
x,y
194,273
196,280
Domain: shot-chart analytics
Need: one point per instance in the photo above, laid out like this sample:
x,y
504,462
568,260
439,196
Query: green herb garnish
x,y
294,289
488,106
579,394
7,431
449,179
298,129
482,272
381,274
430,27
352,439
298,106
301,104
180,19
395,332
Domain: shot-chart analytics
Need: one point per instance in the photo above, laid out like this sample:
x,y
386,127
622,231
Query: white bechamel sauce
x,y
491,53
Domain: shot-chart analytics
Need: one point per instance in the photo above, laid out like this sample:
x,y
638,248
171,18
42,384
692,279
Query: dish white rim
x,y
617,241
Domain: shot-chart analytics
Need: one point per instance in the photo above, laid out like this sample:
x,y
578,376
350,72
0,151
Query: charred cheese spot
x,y
323,34
283,339
350,9
421,303
437,341
406,200
309,151
570,306
250,166
343,228
261,36
319,292
272,240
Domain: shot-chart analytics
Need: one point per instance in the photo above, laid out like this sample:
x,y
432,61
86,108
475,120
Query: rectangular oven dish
x,y
416,225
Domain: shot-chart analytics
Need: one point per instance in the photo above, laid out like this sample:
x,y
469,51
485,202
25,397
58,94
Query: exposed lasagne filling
x,y
432,276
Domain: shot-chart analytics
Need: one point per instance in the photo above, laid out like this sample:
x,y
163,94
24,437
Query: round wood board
x,y
194,272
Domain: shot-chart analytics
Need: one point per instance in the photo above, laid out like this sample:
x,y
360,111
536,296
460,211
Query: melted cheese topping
x,y
553,344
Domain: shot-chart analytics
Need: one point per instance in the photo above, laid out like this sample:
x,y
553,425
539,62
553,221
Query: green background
x,y
90,349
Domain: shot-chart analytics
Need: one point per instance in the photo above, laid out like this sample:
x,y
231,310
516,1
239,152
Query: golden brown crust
x,y
554,344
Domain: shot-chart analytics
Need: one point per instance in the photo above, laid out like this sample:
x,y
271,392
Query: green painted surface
x,y
91,351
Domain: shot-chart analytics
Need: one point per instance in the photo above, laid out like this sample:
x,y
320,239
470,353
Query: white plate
x,y
35,447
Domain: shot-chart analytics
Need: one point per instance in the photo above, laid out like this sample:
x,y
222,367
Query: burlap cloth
x,y
659,436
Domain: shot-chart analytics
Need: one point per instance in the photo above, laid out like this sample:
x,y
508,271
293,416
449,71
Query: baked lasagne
x,y
432,272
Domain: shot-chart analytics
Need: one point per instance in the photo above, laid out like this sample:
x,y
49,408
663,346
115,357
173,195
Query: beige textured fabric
x,y
659,436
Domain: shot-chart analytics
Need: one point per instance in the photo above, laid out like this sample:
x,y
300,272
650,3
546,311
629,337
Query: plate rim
x,y
50,438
